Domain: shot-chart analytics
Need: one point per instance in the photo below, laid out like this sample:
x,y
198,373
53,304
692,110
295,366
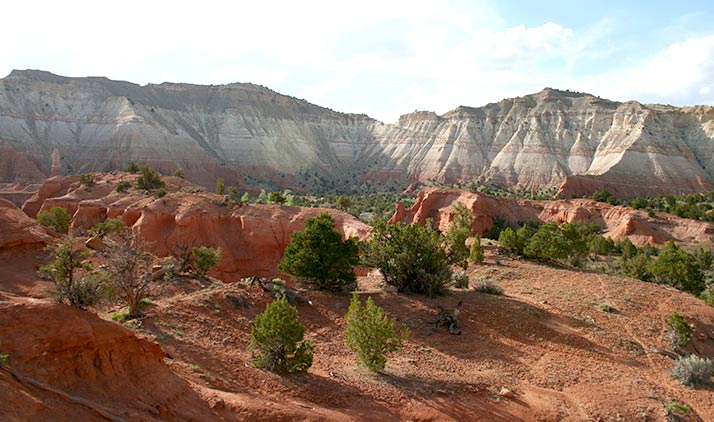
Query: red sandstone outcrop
x,y
252,237
617,221
18,229
97,369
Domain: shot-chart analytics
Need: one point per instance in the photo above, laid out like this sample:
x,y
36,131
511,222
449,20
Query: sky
x,y
383,58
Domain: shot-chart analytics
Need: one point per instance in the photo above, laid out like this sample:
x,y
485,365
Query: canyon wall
x,y
254,137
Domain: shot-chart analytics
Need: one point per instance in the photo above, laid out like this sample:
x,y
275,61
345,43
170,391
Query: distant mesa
x,y
255,138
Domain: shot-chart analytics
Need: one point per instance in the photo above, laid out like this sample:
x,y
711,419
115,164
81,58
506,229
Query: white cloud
x,y
378,57
681,74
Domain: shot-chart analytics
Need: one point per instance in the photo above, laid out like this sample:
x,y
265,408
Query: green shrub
x,y
460,279
557,244
106,227
371,334
600,245
123,186
515,241
220,186
87,179
476,253
605,196
204,258
149,178
607,307
161,193
320,257
704,259
277,339
276,198
708,296
132,167
76,289
678,268
637,266
460,230
120,317
487,286
56,218
411,257
677,408
178,173
679,331
693,370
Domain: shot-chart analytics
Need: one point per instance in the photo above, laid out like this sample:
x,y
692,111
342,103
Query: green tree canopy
x,y
411,257
678,268
320,257
277,336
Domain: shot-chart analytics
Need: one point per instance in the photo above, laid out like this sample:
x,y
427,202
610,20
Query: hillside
x,y
547,350
254,137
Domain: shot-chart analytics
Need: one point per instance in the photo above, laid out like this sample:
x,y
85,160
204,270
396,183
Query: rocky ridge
x,y
617,222
254,137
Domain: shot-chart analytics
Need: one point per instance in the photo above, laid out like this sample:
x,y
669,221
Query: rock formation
x,y
19,229
617,222
68,364
252,237
252,136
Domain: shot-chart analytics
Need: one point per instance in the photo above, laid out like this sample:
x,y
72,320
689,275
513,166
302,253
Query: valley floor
x,y
544,351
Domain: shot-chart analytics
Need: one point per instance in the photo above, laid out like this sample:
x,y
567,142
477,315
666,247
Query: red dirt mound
x,y
89,366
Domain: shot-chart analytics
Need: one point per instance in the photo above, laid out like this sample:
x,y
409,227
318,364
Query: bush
x,y
371,334
276,198
599,245
675,408
486,285
204,258
56,218
87,179
557,244
123,186
678,268
132,167
515,241
78,290
320,257
106,227
460,230
693,370
607,307
679,331
220,186
460,279
178,173
149,178
708,296
476,254
277,337
637,266
129,270
410,257
605,196
161,193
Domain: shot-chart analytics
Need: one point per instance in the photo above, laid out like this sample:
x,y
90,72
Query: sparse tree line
x,y
697,206
572,244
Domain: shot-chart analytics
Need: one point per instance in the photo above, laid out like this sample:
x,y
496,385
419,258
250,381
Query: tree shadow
x,y
457,400
487,320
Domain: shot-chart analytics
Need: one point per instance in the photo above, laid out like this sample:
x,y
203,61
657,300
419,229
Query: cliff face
x,y
250,134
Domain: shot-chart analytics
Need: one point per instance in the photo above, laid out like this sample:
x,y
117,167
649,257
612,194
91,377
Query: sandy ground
x,y
543,351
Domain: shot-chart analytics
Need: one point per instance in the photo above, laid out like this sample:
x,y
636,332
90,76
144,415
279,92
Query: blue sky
x,y
383,58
